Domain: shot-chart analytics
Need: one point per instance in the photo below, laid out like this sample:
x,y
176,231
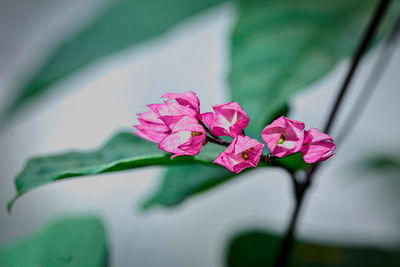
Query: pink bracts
x,y
244,152
179,128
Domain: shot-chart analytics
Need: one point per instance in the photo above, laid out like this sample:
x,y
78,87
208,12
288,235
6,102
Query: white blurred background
x,y
346,204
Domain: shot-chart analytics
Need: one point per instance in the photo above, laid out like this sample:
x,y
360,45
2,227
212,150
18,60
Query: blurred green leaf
x,y
124,151
380,162
260,249
78,242
293,163
124,23
280,47
182,182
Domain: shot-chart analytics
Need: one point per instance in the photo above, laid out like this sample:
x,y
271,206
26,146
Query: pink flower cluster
x,y
285,137
177,126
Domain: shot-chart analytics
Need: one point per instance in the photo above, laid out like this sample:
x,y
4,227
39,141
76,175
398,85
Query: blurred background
x,y
350,203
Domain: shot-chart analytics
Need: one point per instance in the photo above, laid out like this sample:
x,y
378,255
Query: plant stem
x,y
299,192
208,130
301,188
372,81
362,48
217,141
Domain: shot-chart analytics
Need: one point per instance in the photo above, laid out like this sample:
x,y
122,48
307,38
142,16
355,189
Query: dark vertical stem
x,y
371,82
368,35
299,192
302,187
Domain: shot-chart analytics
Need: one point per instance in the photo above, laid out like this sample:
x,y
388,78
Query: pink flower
x,y
188,99
158,123
228,119
171,112
283,136
243,153
186,138
151,127
317,146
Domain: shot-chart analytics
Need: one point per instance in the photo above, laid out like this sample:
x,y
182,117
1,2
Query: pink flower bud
x,y
317,146
159,122
151,127
283,136
186,138
228,119
188,99
171,112
243,153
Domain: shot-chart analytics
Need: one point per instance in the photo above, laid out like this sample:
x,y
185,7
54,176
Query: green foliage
x,y
124,151
259,249
78,242
280,47
182,182
292,163
381,162
124,23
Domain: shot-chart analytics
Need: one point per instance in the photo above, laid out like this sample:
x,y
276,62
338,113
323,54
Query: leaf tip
x,y
146,205
10,204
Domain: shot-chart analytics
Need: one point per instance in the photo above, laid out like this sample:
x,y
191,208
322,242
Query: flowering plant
x,y
278,48
179,128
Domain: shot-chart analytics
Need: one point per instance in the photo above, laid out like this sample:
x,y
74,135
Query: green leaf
x,y
78,242
280,47
257,249
124,151
122,24
292,163
183,182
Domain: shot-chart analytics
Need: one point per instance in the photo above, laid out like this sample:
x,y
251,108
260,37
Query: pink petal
x,y
188,124
150,137
290,130
225,161
212,121
151,128
228,119
149,117
152,133
189,99
194,145
182,141
242,153
314,135
243,142
174,140
241,166
318,152
317,146
171,112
